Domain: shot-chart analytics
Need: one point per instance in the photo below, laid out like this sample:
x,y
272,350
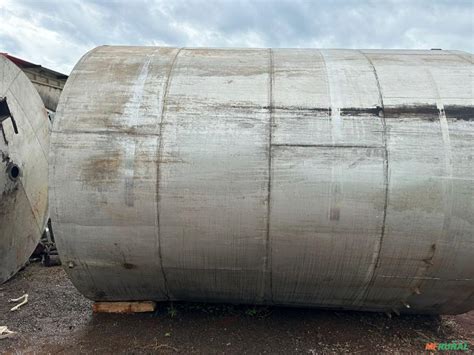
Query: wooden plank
x,y
124,307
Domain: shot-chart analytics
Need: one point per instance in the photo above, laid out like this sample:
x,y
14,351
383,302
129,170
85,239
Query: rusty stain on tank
x,y
102,169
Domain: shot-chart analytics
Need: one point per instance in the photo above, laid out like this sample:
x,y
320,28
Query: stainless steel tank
x,y
24,145
325,178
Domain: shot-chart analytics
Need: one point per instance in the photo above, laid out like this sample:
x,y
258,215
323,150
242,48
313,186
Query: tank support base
x,y
124,307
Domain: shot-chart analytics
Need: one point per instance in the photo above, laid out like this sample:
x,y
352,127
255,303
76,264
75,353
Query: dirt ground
x,y
57,319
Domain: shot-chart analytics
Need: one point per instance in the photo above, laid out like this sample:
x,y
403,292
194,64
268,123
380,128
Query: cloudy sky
x,y
57,33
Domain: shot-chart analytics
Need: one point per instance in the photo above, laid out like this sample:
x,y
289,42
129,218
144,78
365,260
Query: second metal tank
x,y
322,178
24,145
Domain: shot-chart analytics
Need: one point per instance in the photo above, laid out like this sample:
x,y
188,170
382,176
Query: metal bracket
x,y
5,113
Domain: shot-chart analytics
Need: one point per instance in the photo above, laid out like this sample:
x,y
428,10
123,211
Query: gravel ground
x,y
57,319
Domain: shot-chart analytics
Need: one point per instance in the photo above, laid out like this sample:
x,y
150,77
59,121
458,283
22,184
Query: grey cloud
x,y
80,25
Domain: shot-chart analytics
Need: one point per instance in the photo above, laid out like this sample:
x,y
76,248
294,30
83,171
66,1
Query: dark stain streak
x,y
244,106
429,259
5,157
429,112
120,131
228,71
329,146
8,200
241,107
323,110
129,266
125,264
376,111
356,111
465,113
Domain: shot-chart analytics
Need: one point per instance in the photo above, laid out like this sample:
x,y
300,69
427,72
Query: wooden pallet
x,y
124,307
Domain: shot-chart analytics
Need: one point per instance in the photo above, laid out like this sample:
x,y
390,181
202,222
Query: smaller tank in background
x,y
24,144
47,82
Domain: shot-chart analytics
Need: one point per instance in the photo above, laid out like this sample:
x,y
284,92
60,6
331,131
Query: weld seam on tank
x,y
447,185
40,227
7,89
45,154
267,293
336,127
158,170
335,122
365,291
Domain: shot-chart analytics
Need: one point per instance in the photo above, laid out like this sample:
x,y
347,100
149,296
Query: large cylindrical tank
x,y
325,178
24,145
